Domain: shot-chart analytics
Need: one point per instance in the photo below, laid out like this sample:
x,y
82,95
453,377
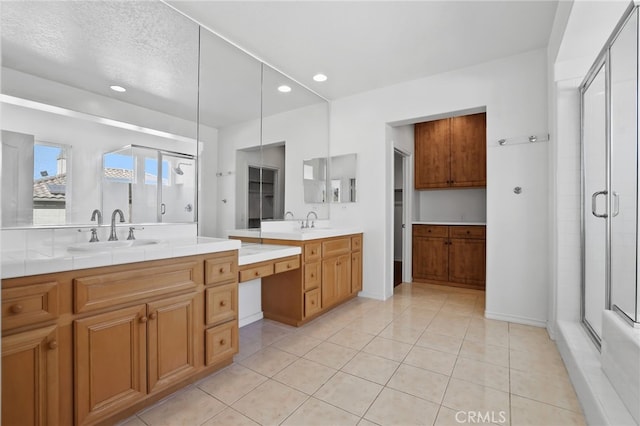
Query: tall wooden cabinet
x,y
450,254
451,153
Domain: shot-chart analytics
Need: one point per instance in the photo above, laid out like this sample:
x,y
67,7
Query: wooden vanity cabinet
x,y
331,273
454,255
96,345
451,152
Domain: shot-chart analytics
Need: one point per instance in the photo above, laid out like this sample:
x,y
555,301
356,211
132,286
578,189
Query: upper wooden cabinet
x,y
451,153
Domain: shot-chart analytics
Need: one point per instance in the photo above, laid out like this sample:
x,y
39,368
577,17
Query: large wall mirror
x,y
238,130
60,116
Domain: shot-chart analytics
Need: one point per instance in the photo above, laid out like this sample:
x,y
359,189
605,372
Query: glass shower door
x,y
595,203
624,168
178,188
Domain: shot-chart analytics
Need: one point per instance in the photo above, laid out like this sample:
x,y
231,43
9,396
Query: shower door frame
x,y
603,60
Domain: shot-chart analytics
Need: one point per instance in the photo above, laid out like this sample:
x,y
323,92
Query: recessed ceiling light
x,y
284,88
117,88
320,78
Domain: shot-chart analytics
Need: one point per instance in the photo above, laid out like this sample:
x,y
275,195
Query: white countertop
x,y
450,223
32,262
295,235
254,253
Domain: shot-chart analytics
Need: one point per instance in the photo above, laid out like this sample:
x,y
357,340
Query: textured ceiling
x,y
363,45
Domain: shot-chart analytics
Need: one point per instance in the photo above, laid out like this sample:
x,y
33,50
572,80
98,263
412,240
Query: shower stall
x,y
610,269
150,185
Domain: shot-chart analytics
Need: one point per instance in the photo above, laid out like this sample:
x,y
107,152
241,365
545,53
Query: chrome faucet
x,y
113,236
285,215
312,222
96,214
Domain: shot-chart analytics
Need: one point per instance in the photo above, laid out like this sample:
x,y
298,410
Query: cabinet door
x,y
466,261
469,150
110,359
171,340
344,276
329,282
430,258
356,272
30,378
432,168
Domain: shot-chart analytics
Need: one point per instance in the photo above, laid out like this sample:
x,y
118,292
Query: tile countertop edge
x,y
15,268
297,235
255,253
450,223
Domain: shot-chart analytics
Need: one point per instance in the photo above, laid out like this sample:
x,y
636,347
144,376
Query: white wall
x,y
513,90
469,205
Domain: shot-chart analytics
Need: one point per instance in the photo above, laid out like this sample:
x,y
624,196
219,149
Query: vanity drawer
x,y
29,304
336,247
258,271
220,270
311,302
115,288
288,264
356,243
312,252
437,231
312,275
221,342
475,232
221,303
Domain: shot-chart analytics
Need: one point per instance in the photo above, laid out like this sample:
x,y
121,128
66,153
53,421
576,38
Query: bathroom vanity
x,y
90,346
329,273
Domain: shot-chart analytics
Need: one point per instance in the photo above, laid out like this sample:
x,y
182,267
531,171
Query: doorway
x,y
400,210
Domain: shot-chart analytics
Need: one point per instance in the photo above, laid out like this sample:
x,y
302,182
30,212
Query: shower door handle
x,y
616,204
163,208
593,203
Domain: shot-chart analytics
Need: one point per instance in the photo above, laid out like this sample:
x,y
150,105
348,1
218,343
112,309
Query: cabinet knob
x,y
338,263
429,231
53,345
16,309
312,275
223,303
222,342
153,315
468,232
143,319
288,266
257,274
221,270
313,302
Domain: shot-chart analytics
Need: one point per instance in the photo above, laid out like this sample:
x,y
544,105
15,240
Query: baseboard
x,y
251,318
371,295
516,319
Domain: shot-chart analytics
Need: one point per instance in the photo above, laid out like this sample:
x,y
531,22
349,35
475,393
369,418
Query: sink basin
x,y
109,245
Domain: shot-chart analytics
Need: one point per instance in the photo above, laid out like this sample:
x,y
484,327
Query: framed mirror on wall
x,y
108,80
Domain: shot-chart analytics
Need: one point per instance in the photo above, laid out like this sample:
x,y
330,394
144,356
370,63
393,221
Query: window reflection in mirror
x,y
35,181
150,185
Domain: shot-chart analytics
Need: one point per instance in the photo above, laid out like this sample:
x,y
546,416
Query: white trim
x,y
250,319
515,319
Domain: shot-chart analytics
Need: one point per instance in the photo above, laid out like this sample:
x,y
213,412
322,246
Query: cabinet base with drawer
x,y
331,274
449,255
94,346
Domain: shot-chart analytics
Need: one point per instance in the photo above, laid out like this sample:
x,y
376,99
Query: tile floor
x,y
424,357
